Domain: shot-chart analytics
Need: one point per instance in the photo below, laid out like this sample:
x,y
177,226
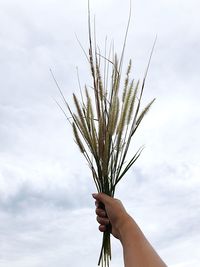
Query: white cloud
x,y
46,210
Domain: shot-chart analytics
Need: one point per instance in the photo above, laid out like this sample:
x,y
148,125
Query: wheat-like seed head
x,y
77,138
103,128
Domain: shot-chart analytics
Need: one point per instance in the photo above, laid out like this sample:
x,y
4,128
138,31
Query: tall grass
x,y
105,119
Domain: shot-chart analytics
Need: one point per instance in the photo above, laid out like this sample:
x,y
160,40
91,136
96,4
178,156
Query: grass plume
x,y
106,118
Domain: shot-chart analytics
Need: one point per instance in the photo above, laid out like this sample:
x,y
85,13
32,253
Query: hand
x,y
114,214
136,248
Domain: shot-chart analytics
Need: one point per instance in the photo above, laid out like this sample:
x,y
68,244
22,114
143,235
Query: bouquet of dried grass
x,y
105,122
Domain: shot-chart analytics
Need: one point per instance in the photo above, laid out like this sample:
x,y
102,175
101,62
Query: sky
x,y
47,214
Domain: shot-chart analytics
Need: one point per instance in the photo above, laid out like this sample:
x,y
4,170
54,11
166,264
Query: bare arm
x,y
137,250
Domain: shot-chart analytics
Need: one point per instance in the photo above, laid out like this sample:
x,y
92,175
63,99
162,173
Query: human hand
x,y
114,214
137,249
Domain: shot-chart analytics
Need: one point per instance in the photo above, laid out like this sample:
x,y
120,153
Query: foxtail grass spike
x,y
105,120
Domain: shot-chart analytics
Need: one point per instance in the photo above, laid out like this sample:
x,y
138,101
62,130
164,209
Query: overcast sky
x,y
46,210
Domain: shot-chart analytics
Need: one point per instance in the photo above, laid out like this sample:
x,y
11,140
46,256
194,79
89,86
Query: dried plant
x,y
106,119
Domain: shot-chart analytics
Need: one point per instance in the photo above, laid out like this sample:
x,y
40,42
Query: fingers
x,y
101,212
103,221
102,218
102,228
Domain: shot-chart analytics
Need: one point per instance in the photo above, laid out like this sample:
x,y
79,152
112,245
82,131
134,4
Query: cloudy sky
x,y
46,209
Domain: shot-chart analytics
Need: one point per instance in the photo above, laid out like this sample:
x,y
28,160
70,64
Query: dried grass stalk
x,y
103,128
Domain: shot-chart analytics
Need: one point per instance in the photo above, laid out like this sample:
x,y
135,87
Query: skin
x,y
137,250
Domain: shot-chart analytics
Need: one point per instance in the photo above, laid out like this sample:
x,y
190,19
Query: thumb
x,y
105,199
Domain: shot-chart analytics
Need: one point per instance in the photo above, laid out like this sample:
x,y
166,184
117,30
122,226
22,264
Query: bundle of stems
x,y
106,119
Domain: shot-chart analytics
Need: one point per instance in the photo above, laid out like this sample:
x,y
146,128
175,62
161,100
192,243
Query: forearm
x,y
138,252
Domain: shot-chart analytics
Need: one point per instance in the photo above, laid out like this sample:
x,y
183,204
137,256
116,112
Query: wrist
x,y
129,231
124,225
